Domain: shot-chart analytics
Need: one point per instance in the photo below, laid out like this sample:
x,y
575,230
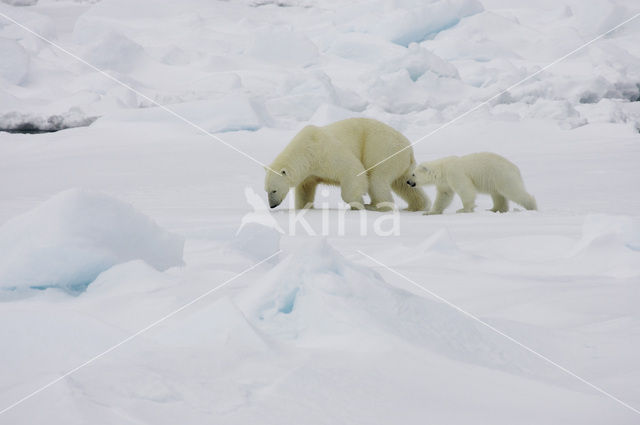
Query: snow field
x,y
318,334
314,317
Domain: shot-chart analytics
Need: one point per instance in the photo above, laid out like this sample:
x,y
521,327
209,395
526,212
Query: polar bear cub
x,y
468,175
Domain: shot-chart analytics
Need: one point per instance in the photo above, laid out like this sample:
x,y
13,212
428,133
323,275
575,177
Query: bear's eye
x,y
273,191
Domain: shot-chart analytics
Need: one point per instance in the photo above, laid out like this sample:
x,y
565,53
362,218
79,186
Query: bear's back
x,y
373,141
487,169
487,162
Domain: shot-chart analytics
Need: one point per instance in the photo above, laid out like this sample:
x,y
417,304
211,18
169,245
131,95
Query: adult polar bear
x,y
337,154
482,172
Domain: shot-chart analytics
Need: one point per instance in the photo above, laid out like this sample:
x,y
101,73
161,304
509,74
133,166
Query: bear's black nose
x,y
410,183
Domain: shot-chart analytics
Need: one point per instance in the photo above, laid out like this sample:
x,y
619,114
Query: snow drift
x,y
439,247
317,298
610,246
70,239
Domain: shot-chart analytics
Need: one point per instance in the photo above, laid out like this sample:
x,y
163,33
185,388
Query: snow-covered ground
x,y
111,226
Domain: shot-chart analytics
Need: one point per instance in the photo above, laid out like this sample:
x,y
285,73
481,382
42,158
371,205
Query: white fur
x,y
471,174
335,155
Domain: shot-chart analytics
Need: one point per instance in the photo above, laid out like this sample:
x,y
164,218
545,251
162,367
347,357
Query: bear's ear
x,y
268,170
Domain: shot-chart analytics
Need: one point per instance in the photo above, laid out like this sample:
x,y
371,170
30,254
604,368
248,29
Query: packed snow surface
x,y
132,214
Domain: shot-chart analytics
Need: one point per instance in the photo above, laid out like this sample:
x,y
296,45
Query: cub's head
x,y
276,184
421,175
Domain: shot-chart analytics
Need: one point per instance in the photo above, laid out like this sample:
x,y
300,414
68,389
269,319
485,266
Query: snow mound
x,y
15,61
327,114
417,61
415,21
302,93
598,227
16,122
67,241
226,113
217,324
234,113
610,245
109,49
612,111
397,93
317,298
559,110
128,278
362,48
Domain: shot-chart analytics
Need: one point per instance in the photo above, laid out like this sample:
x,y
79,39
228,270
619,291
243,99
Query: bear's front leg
x,y
352,190
306,193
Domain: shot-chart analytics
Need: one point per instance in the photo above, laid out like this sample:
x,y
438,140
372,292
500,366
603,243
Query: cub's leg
x,y
305,193
443,200
500,203
465,189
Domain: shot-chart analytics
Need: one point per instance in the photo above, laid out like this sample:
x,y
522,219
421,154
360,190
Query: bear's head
x,y
276,184
421,175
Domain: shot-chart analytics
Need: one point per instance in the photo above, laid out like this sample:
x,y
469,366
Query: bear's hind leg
x,y
414,196
519,195
380,192
500,203
527,201
305,193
